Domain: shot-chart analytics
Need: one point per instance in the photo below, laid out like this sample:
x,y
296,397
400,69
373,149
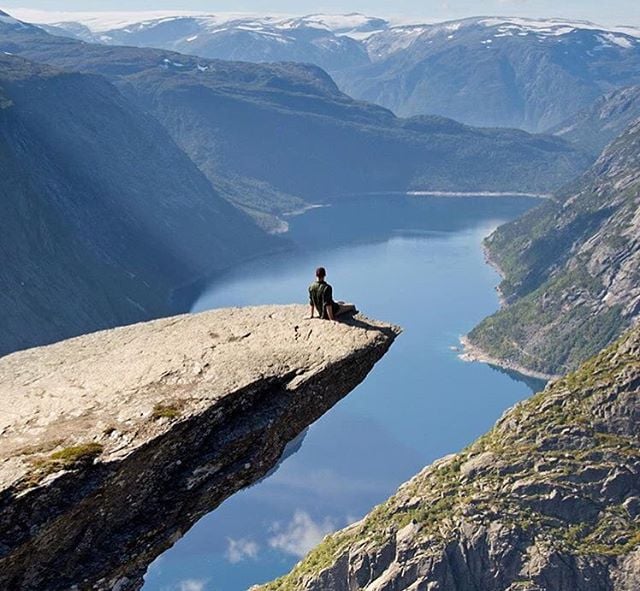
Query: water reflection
x,y
416,262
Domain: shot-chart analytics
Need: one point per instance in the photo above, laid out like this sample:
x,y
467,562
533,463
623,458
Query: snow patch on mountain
x,y
102,21
620,41
354,25
393,40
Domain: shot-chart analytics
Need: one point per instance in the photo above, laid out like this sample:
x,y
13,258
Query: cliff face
x,y
549,500
571,269
114,444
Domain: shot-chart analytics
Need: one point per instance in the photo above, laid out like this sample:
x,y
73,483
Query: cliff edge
x,y
113,444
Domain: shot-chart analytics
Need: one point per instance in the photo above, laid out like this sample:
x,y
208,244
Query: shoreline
x,y
497,268
472,353
455,194
478,194
302,210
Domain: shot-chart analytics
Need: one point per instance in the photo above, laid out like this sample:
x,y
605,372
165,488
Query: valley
x,y
158,163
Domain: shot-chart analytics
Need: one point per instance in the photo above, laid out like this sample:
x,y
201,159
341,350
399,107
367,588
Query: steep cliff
x,y
571,269
102,215
549,500
113,444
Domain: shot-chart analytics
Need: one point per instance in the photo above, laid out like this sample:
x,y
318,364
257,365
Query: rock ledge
x,y
101,434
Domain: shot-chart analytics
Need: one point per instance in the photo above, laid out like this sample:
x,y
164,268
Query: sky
x,y
606,12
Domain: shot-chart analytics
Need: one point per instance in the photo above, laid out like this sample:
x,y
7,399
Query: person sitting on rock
x,y
321,299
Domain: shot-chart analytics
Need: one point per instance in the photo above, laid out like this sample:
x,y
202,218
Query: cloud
x,y
239,550
192,585
301,535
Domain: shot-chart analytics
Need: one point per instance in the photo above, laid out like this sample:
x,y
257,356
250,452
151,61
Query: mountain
x,y
497,72
330,41
593,128
275,136
488,71
549,500
571,269
102,214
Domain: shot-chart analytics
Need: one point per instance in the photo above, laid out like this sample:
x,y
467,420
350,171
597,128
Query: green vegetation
x,y
559,262
77,454
68,458
166,411
546,330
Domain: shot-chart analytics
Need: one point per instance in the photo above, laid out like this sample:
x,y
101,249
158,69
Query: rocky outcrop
x,y
113,444
571,269
549,500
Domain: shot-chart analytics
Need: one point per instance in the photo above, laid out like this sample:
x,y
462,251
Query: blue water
x,y
416,262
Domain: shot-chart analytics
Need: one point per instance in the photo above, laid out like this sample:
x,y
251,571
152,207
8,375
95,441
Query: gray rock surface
x,y
546,501
113,444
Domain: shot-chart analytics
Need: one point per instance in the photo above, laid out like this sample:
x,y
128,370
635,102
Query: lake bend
x,y
416,261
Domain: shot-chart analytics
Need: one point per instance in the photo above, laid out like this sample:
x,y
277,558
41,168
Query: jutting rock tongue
x,y
113,444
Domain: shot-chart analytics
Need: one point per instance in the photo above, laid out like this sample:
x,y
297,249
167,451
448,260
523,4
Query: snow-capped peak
x,y
549,27
7,19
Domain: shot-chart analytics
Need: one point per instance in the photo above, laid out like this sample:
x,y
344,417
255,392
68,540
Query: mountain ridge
x,y
570,268
602,122
407,67
90,246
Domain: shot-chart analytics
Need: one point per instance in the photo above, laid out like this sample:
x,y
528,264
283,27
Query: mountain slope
x,y
285,132
489,71
548,500
102,214
571,269
596,126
